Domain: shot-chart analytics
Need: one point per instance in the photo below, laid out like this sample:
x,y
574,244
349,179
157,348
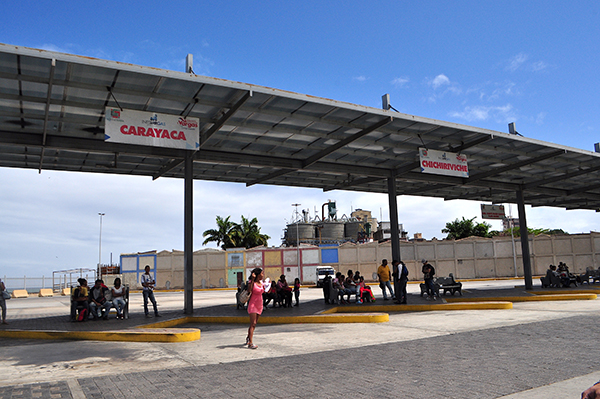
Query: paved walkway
x,y
535,350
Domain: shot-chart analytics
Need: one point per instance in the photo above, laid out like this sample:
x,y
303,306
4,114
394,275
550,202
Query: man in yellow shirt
x,y
384,275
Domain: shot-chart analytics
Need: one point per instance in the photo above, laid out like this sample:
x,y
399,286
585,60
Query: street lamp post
x,y
297,237
99,247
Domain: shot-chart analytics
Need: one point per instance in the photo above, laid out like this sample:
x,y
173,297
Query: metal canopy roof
x,y
52,117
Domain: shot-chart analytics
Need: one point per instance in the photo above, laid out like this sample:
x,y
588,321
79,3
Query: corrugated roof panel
x,y
272,137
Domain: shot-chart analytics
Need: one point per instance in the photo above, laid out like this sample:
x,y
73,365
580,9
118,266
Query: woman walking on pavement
x,y
255,304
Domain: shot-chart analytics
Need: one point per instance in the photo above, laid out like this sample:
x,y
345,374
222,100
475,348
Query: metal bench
x,y
447,284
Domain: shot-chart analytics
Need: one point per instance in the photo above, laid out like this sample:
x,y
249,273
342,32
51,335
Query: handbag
x,y
244,296
5,295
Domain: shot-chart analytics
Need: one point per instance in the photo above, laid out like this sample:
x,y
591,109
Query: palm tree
x,y
223,234
247,234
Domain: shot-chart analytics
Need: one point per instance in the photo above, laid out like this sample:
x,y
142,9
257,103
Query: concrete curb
x,y
143,334
371,317
562,292
425,307
532,298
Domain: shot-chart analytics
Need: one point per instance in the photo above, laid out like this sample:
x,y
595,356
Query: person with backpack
x,y
255,303
79,300
400,279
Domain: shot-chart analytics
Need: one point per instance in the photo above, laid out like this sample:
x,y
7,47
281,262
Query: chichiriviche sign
x,y
151,129
443,163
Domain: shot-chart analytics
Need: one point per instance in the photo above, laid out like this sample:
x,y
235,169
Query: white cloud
x,y
538,66
360,78
539,119
521,61
517,61
400,82
481,113
52,47
439,80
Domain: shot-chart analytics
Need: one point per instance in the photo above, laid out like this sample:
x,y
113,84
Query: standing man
x,y
384,275
148,292
3,301
400,280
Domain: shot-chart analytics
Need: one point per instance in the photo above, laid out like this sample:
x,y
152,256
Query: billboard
x,y
151,129
492,211
443,163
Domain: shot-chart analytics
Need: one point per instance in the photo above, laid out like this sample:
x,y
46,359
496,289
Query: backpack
x,y
404,270
83,314
244,294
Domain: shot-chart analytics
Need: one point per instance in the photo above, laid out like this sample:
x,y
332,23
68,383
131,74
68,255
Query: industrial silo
x,y
303,232
352,228
331,231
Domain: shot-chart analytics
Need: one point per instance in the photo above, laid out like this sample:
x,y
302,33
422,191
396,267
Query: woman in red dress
x,y
255,304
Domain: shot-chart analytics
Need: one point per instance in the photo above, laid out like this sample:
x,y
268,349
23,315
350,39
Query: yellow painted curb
x,y
371,317
532,298
133,335
563,292
424,307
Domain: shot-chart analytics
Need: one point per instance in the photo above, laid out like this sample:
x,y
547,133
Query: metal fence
x,y
31,284
59,280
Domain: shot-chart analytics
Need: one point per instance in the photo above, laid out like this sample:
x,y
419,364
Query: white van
x,y
323,271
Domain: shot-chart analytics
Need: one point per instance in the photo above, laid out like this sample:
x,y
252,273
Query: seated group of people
x,y
558,276
98,300
335,289
281,293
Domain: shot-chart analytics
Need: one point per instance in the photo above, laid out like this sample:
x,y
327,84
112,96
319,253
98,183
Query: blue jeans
x,y
3,306
119,304
430,287
78,304
149,294
105,307
383,286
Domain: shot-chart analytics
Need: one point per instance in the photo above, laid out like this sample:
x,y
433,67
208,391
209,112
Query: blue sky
x,y
483,64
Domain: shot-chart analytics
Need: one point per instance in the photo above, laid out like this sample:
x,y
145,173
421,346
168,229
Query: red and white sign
x,y
443,163
151,129
492,211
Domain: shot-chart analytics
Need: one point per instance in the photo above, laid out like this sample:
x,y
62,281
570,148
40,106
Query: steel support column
x,y
393,200
188,238
524,241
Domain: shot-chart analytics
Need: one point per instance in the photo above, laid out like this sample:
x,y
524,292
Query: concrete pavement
x,y
535,350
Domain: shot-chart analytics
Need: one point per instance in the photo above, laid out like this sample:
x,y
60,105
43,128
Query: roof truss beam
x,y
329,150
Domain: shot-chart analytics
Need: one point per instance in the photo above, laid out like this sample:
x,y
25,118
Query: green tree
x,y
224,233
466,228
229,234
247,234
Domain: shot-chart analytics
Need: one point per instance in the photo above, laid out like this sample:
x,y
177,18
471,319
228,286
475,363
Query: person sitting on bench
x,y
98,300
270,293
366,294
284,291
79,300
